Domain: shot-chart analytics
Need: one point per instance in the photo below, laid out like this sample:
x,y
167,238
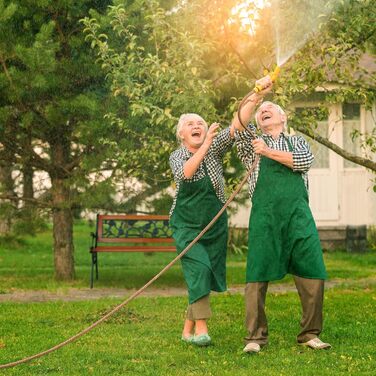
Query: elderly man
x,y
282,234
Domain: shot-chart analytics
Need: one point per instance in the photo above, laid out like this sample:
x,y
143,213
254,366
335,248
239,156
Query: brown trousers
x,y
311,293
199,310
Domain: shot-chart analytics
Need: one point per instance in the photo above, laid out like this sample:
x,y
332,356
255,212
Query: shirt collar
x,y
270,137
185,151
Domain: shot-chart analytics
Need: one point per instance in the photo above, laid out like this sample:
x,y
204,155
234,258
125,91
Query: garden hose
x,y
168,266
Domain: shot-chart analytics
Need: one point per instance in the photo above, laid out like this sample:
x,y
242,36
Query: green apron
x,y
282,233
204,265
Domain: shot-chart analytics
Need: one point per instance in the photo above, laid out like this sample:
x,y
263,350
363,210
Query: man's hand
x,y
212,132
284,157
266,85
260,147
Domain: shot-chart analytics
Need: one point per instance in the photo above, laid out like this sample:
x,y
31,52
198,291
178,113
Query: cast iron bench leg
x,y
93,261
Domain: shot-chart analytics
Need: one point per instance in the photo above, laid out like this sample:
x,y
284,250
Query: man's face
x,y
193,132
269,116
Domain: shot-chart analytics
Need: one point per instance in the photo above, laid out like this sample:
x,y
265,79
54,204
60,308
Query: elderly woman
x,y
198,173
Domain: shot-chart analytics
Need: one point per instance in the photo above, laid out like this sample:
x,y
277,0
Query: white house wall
x,y
339,196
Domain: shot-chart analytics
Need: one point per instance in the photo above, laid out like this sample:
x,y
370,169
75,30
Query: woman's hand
x,y
260,147
192,164
212,132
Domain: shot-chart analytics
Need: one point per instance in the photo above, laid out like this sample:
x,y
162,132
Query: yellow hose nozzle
x,y
273,75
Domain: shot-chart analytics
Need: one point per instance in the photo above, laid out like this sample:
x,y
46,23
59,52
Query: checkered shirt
x,y
301,154
213,161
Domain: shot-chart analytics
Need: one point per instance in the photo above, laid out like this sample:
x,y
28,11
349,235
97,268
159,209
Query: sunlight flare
x,y
246,13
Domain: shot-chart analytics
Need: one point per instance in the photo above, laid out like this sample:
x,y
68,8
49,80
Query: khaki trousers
x,y
199,310
311,293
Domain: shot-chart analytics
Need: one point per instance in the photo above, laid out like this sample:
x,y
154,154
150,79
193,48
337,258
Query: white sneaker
x,y
316,344
252,347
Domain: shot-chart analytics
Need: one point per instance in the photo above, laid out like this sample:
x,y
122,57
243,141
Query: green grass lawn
x,y
144,338
29,265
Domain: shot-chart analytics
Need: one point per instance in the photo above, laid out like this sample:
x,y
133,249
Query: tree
x,y
336,53
53,97
155,73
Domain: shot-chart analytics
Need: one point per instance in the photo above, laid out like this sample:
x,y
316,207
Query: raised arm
x,y
248,109
224,141
192,164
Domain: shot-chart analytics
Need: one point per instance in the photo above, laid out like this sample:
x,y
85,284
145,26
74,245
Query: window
x,y
351,122
320,152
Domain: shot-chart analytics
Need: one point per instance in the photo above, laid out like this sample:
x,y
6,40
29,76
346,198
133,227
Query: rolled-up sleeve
x,y
222,142
177,165
243,142
302,155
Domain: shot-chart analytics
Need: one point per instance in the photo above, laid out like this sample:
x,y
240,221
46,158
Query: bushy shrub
x,y
238,240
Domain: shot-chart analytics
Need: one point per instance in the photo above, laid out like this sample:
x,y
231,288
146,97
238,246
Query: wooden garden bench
x,y
129,233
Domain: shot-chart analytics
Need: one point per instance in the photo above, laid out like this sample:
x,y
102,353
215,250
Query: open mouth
x,y
266,116
196,134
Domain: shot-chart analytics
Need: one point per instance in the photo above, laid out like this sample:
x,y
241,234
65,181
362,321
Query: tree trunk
x,y
62,215
28,188
62,230
28,210
367,163
6,207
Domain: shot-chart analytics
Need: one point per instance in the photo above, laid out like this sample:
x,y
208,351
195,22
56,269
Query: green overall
x,y
282,233
204,265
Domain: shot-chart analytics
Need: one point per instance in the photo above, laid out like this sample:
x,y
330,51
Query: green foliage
x,y
162,204
371,237
142,67
238,240
155,73
336,54
332,59
53,93
30,222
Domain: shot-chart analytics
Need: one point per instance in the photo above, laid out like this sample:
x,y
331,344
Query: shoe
x,y
201,340
188,339
252,347
316,344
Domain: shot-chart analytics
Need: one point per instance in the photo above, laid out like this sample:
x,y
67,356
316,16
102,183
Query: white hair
x,y
278,107
181,122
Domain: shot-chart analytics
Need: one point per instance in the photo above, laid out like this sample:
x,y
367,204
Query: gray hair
x,y
278,107
181,122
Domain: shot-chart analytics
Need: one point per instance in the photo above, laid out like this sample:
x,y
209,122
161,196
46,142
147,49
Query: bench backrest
x,y
133,229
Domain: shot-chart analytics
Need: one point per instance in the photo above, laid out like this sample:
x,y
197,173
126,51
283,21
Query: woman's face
x,y
193,132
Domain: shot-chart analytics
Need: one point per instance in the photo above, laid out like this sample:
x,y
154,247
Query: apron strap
x,y
291,149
